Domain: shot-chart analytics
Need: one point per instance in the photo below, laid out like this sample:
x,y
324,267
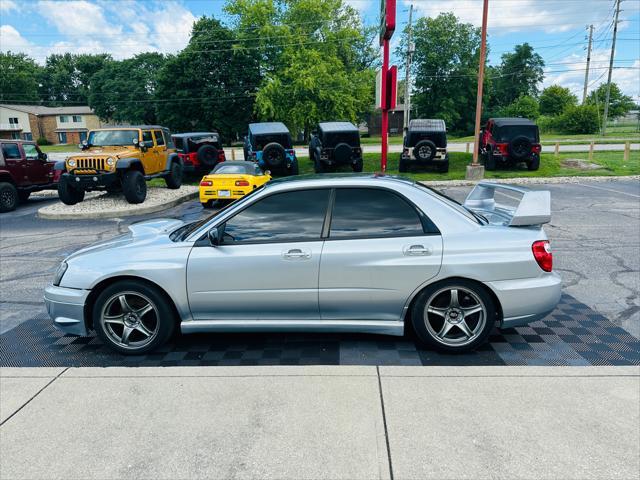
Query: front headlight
x,y
71,163
111,161
59,273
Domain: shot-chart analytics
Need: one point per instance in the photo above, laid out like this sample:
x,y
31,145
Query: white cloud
x,y
77,17
8,5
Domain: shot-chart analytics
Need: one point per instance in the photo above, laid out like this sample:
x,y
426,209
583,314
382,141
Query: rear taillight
x,y
542,253
206,183
242,183
536,149
221,157
503,148
405,151
291,151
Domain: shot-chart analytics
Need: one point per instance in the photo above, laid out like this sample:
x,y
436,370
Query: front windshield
x,y
110,138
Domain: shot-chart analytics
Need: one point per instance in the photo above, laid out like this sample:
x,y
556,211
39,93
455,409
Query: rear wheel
x,y
357,166
294,167
68,194
8,197
132,317
454,316
443,167
174,177
534,163
489,160
318,166
134,186
403,166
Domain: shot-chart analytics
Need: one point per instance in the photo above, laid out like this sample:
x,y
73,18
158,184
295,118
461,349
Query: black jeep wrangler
x,y
199,151
269,145
425,143
335,144
508,141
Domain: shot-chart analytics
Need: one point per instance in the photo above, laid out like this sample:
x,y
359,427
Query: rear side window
x,y
179,142
283,217
11,150
159,137
260,141
372,212
146,136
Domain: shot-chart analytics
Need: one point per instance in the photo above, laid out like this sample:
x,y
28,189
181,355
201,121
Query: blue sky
x,y
556,28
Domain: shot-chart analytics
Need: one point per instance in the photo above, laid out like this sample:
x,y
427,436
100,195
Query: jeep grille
x,y
90,163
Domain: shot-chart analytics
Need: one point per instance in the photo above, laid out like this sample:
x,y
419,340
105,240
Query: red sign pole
x,y
385,105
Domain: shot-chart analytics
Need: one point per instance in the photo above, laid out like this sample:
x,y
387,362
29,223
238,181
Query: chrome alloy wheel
x,y
130,320
455,316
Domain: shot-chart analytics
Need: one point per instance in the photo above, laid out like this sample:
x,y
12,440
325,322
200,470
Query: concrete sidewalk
x,y
320,422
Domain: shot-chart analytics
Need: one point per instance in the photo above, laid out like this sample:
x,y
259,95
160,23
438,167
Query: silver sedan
x,y
371,254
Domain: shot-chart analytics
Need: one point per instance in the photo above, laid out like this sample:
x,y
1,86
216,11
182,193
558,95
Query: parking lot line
x,y
609,190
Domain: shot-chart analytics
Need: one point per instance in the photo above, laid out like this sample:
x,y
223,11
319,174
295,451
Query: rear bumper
x,y
527,300
90,182
440,157
207,194
66,308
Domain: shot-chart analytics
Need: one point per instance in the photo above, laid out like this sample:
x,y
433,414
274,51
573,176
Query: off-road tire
x,y
342,153
134,186
519,148
427,338
68,194
420,155
533,163
174,177
318,166
207,156
489,160
165,315
403,165
357,165
274,156
443,167
8,197
294,169
23,195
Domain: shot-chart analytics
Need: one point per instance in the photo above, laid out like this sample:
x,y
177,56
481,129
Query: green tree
x,y
445,69
125,91
619,103
314,57
525,106
579,119
210,84
19,76
519,74
66,77
555,99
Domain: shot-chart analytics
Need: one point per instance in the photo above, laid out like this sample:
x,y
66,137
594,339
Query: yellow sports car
x,y
230,181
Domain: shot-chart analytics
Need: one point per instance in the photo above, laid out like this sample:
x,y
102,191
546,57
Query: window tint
x,y
11,150
159,137
146,136
30,151
283,217
371,212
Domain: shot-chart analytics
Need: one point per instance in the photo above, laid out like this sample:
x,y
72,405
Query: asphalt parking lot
x,y
594,232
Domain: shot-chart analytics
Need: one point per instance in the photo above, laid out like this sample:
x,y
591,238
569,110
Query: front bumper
x,y
90,181
66,308
527,300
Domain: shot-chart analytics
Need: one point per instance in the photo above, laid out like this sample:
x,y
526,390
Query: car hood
x,y
115,151
147,231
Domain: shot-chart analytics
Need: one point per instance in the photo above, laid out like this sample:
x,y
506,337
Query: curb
x,y
528,180
134,210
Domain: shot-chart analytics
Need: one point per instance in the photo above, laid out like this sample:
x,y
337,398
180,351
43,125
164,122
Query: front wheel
x,y
8,197
453,316
68,194
132,317
134,186
174,177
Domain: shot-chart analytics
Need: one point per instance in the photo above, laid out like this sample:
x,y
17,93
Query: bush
x,y
548,124
579,119
525,106
556,99
42,141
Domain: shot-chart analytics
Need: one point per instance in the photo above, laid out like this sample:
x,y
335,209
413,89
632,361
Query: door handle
x,y
296,253
416,250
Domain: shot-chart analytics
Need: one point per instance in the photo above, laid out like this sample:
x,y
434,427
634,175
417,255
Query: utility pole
x,y
586,73
475,171
613,52
407,80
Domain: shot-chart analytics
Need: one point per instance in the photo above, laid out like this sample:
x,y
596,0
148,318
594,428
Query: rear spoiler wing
x,y
534,207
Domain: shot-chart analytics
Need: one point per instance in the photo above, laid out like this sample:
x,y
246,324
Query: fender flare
x,y
173,157
60,165
126,163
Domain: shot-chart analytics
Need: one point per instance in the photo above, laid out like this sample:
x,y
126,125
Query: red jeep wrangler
x,y
23,169
199,151
508,141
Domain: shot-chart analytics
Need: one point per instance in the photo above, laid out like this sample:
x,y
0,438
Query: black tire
x,y
342,153
174,177
208,156
443,167
520,148
208,204
68,194
274,156
163,317
489,160
441,291
23,195
318,166
134,186
533,163
403,166
424,150
357,165
294,170
8,197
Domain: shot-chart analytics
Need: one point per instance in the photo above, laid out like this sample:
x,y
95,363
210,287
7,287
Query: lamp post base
x,y
474,172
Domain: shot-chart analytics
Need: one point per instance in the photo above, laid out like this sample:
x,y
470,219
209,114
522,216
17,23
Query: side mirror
x,y
44,157
267,172
214,236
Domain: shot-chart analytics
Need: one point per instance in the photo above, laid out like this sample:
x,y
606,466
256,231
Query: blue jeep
x,y
269,144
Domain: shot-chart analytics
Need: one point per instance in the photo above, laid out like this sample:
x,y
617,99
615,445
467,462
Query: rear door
x,y
379,250
160,150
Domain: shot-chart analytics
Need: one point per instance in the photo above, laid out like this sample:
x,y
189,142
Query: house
x,y
56,124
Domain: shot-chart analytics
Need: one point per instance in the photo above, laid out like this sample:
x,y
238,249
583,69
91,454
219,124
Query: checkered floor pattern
x,y
572,335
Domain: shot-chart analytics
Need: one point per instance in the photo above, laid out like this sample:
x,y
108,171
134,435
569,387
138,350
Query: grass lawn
x,y
546,139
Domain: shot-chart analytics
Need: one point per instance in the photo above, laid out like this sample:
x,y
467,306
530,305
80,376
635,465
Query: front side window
x,y
11,151
282,217
30,151
159,137
146,137
372,212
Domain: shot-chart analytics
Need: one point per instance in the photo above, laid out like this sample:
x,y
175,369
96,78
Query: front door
x,y
149,154
378,252
38,170
266,267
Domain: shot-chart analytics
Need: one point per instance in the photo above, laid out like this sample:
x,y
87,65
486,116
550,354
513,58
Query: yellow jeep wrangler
x,y
120,159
